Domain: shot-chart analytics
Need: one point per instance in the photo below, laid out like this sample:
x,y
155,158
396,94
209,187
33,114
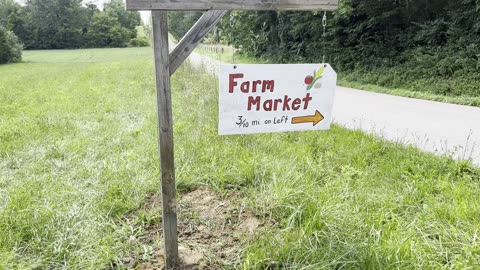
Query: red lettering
x,y
245,87
307,99
253,101
276,104
268,85
254,90
286,100
232,83
267,105
296,104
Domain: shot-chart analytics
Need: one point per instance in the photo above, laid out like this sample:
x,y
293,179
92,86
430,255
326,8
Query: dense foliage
x,y
180,22
425,45
60,24
139,42
10,47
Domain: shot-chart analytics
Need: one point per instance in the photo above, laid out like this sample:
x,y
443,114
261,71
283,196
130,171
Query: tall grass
x,y
339,199
78,153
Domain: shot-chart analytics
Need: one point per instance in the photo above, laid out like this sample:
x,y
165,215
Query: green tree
x,y
55,24
60,24
7,7
127,19
179,22
106,31
415,44
10,47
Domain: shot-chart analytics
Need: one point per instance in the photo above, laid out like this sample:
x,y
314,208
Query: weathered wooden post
x,y
167,63
165,134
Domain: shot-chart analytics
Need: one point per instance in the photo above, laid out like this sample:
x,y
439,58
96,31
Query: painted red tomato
x,y
309,80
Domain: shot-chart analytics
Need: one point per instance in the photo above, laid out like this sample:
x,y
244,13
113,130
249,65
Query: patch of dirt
x,y
210,229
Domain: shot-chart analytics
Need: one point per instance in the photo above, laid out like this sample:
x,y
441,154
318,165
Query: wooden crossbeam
x,y
232,4
193,37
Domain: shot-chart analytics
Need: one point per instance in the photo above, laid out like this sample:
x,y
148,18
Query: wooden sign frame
x,y
232,4
166,63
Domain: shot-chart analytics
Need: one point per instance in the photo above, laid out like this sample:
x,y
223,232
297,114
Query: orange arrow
x,y
315,119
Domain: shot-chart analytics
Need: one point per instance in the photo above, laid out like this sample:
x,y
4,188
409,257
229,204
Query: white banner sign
x,y
275,98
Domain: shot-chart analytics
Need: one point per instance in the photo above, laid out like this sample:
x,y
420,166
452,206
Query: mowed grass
x,y
77,151
78,154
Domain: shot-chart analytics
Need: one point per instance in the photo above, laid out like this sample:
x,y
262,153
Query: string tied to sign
x,y
324,24
232,25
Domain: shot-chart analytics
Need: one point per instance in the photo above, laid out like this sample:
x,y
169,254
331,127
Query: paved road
x,y
435,127
432,126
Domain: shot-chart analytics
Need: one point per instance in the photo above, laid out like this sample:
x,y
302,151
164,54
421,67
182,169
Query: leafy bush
x,y
139,42
10,47
106,31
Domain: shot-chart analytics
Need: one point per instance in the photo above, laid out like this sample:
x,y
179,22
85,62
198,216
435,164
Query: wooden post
x,y
166,64
165,135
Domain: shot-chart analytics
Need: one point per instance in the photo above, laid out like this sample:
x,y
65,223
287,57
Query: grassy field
x,y
77,151
78,155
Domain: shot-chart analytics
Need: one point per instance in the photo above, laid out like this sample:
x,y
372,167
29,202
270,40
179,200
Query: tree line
x,y
68,24
422,45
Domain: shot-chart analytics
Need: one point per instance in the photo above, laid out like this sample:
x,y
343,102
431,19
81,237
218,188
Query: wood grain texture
x,y
232,4
193,37
165,132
